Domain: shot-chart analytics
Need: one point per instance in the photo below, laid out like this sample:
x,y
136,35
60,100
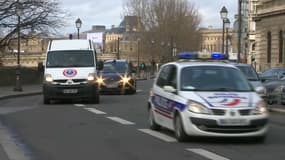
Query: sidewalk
x,y
8,91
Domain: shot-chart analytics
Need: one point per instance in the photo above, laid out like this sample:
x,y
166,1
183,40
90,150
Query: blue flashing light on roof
x,y
188,55
218,55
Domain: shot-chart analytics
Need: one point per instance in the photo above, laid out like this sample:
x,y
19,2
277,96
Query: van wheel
x,y
180,134
152,124
46,100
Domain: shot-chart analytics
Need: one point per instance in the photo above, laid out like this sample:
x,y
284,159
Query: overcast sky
x,y
109,12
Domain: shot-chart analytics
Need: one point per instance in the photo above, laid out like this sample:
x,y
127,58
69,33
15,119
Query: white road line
x,y
207,154
120,120
79,105
93,110
158,135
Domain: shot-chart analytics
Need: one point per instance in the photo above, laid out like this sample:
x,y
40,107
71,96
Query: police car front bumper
x,y
211,125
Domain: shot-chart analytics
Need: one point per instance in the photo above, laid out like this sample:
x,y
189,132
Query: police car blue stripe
x,y
167,106
205,100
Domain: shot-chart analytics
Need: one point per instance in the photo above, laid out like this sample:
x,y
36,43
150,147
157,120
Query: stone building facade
x,y
212,39
270,34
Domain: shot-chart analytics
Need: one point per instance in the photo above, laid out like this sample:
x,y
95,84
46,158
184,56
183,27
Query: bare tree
x,y
167,24
37,17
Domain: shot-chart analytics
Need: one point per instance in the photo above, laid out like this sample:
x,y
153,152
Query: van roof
x,y
70,45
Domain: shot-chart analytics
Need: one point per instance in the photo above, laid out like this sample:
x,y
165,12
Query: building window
x,y
253,47
281,48
269,47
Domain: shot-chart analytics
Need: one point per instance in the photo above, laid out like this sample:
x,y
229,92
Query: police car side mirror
x,y
259,90
169,89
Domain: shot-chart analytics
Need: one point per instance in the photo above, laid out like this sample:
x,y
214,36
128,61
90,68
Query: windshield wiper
x,y
222,89
252,79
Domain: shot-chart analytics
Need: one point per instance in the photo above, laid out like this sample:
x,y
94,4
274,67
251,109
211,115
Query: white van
x,y
70,71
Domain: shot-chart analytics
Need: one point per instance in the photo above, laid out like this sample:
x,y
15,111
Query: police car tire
x,y
152,124
180,134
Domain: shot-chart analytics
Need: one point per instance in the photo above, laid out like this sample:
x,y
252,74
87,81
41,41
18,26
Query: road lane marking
x,y
139,90
207,154
121,121
93,110
79,105
158,135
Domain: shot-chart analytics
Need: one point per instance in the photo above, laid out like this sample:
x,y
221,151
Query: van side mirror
x,y
100,65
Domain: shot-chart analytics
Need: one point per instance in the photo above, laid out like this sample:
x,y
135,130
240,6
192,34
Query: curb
x,y
20,95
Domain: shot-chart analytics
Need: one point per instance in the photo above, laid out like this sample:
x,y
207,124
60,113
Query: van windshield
x,y
78,58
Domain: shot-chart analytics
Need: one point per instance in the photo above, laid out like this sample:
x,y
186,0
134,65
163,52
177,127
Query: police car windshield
x,y
70,59
213,78
115,67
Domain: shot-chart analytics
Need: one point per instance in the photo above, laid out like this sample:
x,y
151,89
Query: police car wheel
x,y
179,129
152,124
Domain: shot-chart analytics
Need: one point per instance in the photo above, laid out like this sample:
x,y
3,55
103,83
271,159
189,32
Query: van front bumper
x,y
51,91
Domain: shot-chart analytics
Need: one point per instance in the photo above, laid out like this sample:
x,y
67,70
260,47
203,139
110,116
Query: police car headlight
x,y
48,78
198,108
260,108
91,77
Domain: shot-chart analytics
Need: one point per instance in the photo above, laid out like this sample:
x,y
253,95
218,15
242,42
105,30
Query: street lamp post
x,y
18,86
239,30
152,57
138,56
78,24
224,15
118,52
227,26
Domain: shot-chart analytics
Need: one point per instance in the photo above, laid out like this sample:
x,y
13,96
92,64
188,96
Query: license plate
x,y
233,122
70,91
112,85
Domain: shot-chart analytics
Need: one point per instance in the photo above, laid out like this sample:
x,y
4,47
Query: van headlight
x,y
48,78
260,108
91,77
198,108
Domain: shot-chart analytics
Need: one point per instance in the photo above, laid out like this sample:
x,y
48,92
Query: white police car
x,y
206,98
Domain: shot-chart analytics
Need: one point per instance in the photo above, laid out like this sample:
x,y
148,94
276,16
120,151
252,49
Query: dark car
x,y
272,74
273,80
253,78
116,76
275,91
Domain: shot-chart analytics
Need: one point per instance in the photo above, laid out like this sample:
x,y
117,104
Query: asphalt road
x,y
117,129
